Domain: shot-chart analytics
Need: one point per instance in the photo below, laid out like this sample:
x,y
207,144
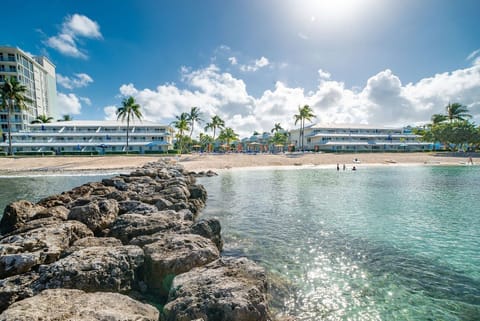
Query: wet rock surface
x,y
86,253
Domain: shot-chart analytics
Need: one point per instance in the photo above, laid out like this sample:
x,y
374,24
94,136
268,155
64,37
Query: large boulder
x,y
94,269
92,241
44,245
96,215
137,207
15,288
16,214
128,226
174,254
228,289
209,228
67,304
198,192
59,211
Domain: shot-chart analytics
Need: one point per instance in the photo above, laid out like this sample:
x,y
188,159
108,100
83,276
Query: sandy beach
x,y
199,162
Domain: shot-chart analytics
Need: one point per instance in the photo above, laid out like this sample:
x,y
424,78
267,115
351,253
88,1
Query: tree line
x,y
454,129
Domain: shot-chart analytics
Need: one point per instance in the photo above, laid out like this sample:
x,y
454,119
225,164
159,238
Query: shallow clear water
x,y
34,188
396,243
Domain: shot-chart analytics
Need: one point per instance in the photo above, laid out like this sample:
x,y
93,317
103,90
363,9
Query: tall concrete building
x,y
37,73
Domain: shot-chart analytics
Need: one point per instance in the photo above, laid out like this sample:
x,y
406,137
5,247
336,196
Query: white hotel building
x,y
358,138
37,74
91,137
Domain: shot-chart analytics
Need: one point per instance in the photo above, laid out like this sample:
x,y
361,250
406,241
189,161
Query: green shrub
x,y
33,153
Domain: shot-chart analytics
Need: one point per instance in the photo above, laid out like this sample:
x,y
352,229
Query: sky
x,y
253,63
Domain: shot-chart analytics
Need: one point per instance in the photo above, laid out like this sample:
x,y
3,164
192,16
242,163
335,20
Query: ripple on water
x,y
376,244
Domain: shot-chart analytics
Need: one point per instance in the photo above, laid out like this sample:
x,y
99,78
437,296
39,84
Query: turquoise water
x,y
384,243
34,188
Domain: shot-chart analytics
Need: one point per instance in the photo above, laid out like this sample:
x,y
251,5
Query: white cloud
x,y
257,64
110,112
83,26
473,54
324,74
77,81
86,100
233,60
383,100
74,27
69,104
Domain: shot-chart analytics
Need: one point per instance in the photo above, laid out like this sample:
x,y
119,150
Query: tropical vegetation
x,y
42,119
12,98
129,110
453,129
304,113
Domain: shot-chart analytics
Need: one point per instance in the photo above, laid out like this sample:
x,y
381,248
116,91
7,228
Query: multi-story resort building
x,y
37,74
91,137
358,138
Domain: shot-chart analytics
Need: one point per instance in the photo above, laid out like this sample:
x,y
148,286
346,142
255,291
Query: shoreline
x,y
92,165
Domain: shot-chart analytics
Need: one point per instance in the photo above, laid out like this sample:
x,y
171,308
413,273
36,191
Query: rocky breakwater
x,y
101,250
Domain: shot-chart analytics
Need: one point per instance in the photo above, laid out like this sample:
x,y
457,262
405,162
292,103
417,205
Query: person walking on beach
x,y
344,167
338,167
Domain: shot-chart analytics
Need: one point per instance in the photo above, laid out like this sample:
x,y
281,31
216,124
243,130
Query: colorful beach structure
x,y
92,137
358,138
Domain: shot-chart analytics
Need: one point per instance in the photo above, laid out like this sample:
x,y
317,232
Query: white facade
x,y
92,137
357,138
37,74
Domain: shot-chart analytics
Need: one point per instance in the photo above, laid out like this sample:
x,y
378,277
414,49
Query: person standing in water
x,y
338,167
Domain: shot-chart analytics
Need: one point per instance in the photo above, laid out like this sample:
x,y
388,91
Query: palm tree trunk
x,y
303,134
9,125
128,129
191,130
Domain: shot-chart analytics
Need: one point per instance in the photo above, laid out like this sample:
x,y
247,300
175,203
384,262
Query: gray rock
x,y
227,289
65,304
198,192
174,254
94,269
55,200
128,226
162,203
15,288
16,214
209,228
92,241
135,207
97,241
96,215
43,245
59,211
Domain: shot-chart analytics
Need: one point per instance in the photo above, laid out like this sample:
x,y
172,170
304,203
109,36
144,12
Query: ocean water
x,y
380,243
34,188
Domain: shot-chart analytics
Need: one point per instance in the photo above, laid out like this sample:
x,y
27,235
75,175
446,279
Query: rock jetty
x,y
122,248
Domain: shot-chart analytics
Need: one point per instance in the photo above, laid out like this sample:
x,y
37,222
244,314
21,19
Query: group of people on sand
x,y
345,167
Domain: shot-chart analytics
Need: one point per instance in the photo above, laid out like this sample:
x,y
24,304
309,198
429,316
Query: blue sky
x,y
254,62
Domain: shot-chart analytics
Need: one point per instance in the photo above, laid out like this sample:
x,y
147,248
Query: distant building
x,y
38,75
357,138
95,137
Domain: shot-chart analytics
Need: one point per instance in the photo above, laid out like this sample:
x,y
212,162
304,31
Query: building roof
x,y
349,126
99,123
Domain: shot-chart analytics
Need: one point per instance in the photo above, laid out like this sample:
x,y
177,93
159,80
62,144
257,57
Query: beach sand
x,y
199,162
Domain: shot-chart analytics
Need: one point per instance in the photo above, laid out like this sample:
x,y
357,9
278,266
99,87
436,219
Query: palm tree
x,y
194,116
228,135
276,128
129,110
457,111
304,113
181,124
13,95
216,122
438,118
42,119
66,118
